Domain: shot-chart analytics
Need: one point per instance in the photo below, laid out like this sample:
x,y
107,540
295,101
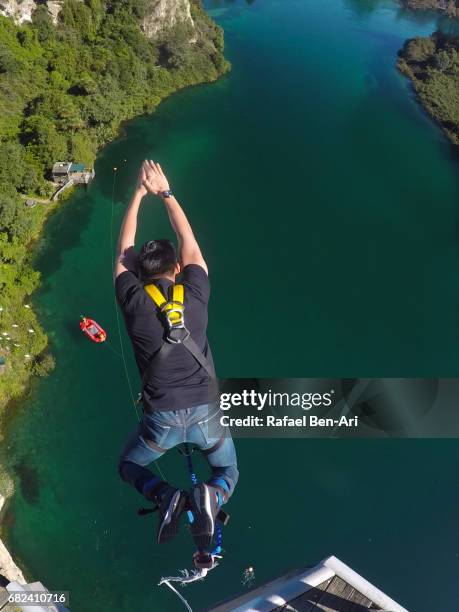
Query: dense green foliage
x,y
64,90
450,6
432,63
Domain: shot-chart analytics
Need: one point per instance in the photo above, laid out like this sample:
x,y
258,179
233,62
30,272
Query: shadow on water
x,y
380,83
63,231
117,184
28,481
381,69
363,8
73,329
445,24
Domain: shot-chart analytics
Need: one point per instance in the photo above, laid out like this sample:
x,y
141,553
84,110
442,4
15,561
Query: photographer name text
x,y
307,420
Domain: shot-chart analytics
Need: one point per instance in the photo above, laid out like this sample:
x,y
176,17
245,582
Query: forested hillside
x,y
64,90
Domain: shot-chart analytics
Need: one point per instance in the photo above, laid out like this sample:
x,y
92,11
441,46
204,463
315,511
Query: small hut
x,y
60,171
64,171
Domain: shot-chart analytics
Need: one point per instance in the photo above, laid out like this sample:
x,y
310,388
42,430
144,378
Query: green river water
x,y
308,170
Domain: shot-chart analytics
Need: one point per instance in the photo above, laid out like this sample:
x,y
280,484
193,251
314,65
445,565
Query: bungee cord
x,y
194,480
186,576
174,590
112,260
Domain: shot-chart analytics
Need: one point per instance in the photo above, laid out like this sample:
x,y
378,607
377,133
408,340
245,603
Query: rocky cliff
x,y
159,14
19,10
8,568
163,14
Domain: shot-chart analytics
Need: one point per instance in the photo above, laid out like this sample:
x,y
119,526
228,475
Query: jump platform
x,y
330,586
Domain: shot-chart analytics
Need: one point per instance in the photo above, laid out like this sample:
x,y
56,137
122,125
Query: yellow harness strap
x,y
174,308
156,295
178,293
174,311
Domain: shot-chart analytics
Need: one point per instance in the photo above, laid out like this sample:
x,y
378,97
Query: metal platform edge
x,y
281,590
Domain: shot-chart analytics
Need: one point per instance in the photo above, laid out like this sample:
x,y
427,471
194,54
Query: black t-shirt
x,y
180,382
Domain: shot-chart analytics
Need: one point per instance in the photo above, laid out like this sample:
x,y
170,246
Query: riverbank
x,y
432,65
447,6
8,567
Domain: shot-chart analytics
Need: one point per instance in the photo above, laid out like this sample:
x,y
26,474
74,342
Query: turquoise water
x,y
310,171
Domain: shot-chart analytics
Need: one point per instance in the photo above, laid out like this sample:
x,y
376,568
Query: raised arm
x,y
125,258
189,251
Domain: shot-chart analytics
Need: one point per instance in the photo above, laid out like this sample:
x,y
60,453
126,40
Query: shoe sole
x,y
169,525
202,527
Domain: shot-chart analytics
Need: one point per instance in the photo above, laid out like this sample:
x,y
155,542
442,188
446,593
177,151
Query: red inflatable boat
x,y
92,329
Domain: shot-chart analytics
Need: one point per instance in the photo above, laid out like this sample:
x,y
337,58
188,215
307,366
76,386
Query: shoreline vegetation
x,y
450,7
65,90
432,65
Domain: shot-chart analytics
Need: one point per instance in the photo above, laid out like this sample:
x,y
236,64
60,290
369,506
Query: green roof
x,y
77,168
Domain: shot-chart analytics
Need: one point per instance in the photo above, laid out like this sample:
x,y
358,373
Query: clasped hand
x,y
151,179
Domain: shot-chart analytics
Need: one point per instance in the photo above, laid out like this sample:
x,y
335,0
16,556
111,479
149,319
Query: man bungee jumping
x,y
167,324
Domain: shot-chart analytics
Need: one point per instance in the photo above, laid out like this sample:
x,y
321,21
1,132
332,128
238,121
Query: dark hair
x,y
156,257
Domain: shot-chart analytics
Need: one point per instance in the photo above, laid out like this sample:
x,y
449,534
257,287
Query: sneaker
x,y
170,507
204,507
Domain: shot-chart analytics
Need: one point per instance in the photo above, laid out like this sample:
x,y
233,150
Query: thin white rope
x,y
126,371
179,595
112,257
134,403
108,344
187,577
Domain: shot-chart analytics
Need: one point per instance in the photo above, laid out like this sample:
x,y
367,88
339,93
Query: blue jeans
x,y
160,431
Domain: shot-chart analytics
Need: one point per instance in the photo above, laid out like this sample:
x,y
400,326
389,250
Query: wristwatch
x,y
166,194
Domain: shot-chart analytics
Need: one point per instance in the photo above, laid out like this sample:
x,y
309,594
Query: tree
x,y
44,364
47,143
443,60
43,24
84,86
83,148
8,63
